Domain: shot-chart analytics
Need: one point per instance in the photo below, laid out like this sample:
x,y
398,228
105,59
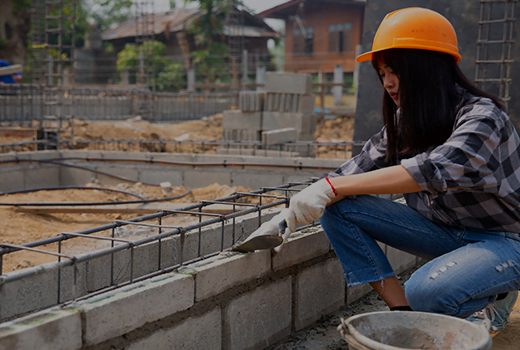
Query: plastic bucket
x,y
398,330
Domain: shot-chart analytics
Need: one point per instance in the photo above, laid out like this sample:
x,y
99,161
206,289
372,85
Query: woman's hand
x,y
308,205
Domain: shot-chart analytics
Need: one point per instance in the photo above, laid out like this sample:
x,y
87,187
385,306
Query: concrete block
x,y
302,247
306,104
203,332
117,313
145,261
289,83
268,103
251,101
400,260
202,178
295,102
241,135
48,330
274,137
303,123
29,294
259,318
357,292
69,290
319,290
218,274
235,119
281,106
212,238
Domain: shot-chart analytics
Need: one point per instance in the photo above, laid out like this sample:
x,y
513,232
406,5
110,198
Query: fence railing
x,y
22,104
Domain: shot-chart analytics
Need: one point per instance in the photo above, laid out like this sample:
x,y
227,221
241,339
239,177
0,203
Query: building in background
x,y
320,34
172,29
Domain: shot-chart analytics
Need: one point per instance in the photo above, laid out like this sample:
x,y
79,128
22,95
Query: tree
x,y
107,13
128,58
210,25
14,29
208,34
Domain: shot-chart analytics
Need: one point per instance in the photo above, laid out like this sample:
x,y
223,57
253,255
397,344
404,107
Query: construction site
x,y
126,183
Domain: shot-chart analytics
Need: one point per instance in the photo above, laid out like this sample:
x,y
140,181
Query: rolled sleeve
x,y
467,161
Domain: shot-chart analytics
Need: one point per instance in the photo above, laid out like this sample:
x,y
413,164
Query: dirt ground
x,y
209,128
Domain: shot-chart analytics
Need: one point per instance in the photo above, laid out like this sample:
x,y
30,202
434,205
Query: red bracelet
x,y
333,189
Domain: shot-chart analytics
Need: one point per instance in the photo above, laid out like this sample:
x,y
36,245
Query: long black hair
x,y
428,99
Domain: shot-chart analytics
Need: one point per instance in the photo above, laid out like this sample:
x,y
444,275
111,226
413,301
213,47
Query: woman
x,y
453,152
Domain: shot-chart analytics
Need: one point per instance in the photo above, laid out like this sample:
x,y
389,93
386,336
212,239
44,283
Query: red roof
x,y
289,8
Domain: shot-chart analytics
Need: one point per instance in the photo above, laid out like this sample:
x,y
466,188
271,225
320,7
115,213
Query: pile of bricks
x,y
283,113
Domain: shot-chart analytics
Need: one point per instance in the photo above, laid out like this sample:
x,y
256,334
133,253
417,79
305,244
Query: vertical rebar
x,y
59,271
159,244
112,259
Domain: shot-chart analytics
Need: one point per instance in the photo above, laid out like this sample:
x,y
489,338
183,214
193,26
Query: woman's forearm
x,y
391,180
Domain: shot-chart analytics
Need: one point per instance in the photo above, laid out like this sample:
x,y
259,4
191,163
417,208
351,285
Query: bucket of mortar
x,y
399,330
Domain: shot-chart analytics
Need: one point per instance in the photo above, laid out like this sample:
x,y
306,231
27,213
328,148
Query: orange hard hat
x,y
414,28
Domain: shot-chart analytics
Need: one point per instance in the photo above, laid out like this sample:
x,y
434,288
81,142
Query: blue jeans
x,y
467,268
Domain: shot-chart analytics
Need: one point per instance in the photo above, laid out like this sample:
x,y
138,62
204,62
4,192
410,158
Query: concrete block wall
x,y
230,301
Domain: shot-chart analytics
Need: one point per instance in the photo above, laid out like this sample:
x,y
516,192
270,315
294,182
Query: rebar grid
x,y
264,197
494,47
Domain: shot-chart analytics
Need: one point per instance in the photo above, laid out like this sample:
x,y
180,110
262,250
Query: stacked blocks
x,y
288,102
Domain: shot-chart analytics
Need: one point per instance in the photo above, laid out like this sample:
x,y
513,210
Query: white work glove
x,y
308,205
271,227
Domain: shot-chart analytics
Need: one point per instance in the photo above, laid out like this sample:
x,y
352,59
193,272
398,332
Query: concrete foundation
x,y
25,175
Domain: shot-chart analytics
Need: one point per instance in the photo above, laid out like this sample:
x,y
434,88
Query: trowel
x,y
253,242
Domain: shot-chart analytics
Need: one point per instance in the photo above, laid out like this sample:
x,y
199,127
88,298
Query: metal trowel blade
x,y
257,243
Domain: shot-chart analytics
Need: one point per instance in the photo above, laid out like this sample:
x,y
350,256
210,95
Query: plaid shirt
x,y
472,180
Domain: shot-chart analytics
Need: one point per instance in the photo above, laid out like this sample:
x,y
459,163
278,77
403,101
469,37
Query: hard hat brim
x,y
368,56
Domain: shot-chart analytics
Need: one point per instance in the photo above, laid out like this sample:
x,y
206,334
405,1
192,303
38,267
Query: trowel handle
x,y
282,226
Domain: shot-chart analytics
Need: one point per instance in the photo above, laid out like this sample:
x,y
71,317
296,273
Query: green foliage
x,y
211,63
277,57
109,12
171,78
108,46
152,50
80,24
210,25
127,58
24,5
